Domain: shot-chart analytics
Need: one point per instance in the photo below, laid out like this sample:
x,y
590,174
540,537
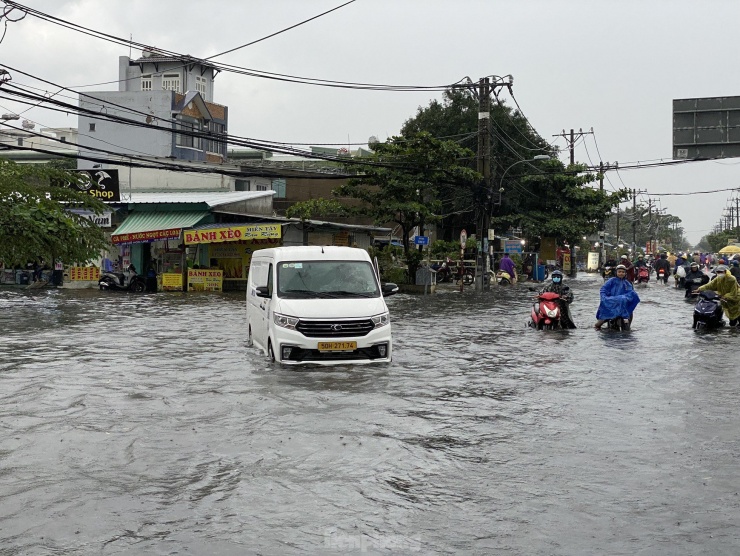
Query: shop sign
x,y
341,238
103,220
172,281
101,184
205,280
84,273
233,233
146,237
513,246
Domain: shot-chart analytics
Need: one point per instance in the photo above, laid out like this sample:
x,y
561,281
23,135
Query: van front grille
x,y
334,329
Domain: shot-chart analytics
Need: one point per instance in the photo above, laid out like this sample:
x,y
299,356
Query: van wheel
x,y
250,342
270,351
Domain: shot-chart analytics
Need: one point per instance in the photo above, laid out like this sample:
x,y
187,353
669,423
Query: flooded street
x,y
144,425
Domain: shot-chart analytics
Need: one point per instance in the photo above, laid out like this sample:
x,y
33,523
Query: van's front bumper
x,y
292,347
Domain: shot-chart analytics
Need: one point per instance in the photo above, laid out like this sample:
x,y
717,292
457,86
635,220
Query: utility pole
x,y
571,140
602,234
634,220
650,224
737,212
486,86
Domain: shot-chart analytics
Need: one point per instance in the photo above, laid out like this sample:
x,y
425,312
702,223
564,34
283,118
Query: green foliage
x,y
722,239
315,208
396,274
403,182
35,220
552,200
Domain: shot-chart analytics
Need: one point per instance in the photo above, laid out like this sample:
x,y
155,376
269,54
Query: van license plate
x,y
337,346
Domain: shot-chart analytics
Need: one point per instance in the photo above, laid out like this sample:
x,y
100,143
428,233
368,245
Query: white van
x,y
314,304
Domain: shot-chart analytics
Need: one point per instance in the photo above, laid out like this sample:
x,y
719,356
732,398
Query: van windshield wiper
x,y
309,293
353,294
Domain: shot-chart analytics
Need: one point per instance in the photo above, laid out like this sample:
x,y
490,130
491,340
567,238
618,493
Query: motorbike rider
x,y
609,264
694,278
566,298
629,267
640,261
618,299
735,269
507,265
662,263
725,285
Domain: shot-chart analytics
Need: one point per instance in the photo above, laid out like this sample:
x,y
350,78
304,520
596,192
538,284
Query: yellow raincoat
x,y
726,286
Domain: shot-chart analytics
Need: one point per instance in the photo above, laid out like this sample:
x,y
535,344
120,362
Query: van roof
x,y
313,252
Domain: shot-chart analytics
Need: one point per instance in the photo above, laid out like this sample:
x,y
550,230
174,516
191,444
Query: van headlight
x,y
284,321
381,320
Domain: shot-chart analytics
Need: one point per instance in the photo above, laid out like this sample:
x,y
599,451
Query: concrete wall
x,y
130,75
148,180
155,106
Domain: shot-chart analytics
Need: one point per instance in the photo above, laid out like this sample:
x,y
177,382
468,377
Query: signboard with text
x,y
203,279
172,281
146,237
84,273
513,246
101,184
233,233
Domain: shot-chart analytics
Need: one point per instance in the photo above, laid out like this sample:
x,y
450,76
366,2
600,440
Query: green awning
x,y
145,227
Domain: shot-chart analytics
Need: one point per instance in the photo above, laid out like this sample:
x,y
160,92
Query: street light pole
x,y
501,183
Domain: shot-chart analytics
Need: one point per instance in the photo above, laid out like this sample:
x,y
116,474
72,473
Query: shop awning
x,y
145,227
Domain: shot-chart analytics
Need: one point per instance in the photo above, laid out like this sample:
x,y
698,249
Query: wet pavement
x,y
144,425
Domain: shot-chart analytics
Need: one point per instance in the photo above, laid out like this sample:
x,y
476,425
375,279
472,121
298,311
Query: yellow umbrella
x,y
730,249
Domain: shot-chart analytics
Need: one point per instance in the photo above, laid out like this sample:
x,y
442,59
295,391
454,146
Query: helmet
x,y
735,262
557,276
721,261
719,269
694,265
623,256
641,256
621,267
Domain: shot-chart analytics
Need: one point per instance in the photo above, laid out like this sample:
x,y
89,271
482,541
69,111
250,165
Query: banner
x,y
84,273
513,246
101,184
233,233
201,279
146,237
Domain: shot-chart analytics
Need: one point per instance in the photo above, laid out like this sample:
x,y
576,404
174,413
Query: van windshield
x,y
326,279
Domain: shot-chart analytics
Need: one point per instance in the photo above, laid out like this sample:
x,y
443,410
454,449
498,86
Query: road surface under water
x,y
144,425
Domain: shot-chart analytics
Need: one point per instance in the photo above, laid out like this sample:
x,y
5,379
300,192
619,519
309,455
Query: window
x,y
241,185
171,82
146,82
63,139
278,186
188,124
92,127
261,187
20,142
201,85
215,145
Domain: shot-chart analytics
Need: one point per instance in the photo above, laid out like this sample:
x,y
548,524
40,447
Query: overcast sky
x,y
610,65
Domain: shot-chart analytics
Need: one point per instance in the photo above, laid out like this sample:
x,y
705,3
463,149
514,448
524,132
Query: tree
x,y
649,224
552,200
36,220
512,140
404,181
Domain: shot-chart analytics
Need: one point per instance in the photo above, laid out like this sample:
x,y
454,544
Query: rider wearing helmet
x,y
725,285
618,299
663,264
735,269
640,261
628,267
694,278
566,297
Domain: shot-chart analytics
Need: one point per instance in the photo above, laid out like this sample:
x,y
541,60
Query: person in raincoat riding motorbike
x,y
618,299
566,298
725,285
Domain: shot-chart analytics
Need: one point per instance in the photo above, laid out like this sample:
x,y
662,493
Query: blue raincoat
x,y
618,299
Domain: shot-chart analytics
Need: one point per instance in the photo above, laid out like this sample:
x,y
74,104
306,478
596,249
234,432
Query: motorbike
x,y
546,313
503,278
619,324
662,274
444,272
607,273
643,275
123,281
692,285
708,311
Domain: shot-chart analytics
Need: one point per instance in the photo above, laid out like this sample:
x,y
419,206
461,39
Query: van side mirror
x,y
389,288
262,291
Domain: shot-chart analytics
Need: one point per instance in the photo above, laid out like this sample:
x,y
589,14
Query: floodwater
x,y
144,425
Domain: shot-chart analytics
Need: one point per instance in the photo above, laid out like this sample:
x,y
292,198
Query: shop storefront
x,y
226,249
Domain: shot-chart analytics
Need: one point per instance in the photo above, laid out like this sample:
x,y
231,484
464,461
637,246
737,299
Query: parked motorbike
x,y
123,281
444,271
546,313
708,311
643,275
503,278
